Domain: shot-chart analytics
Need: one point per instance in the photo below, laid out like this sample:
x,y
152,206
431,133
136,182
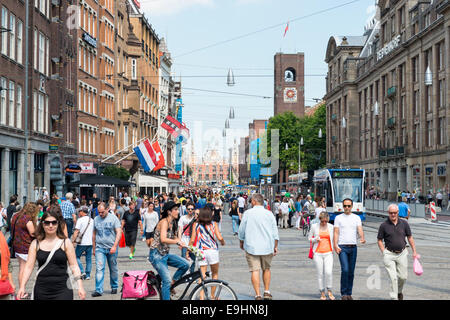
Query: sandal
x,y
258,298
330,295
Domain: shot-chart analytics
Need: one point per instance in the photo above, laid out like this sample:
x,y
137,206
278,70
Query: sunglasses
x,y
190,209
347,206
52,222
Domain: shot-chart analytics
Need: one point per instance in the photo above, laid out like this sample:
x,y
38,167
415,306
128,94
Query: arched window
x,y
289,75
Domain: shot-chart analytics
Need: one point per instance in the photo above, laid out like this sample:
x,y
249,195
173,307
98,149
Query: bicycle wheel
x,y
213,290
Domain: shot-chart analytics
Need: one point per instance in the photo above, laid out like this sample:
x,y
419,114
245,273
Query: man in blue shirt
x,y
69,213
258,235
403,209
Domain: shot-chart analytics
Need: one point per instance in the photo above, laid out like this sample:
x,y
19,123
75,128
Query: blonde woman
x,y
321,235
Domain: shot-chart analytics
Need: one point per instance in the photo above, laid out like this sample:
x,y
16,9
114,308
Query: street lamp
x,y
230,78
344,123
299,167
320,133
227,124
231,113
376,112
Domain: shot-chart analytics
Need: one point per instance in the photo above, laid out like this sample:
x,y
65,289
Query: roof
x,y
350,41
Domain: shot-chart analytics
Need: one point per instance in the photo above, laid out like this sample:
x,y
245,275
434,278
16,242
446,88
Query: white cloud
x,y
168,7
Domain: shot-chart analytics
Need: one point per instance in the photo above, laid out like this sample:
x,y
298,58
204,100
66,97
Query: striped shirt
x,y
67,209
203,240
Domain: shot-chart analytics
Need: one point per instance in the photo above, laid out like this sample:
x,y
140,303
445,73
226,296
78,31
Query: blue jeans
x,y
69,223
235,221
79,250
347,258
101,256
162,263
192,256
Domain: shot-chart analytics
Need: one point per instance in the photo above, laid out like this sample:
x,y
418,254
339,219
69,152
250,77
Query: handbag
x,y
80,236
417,266
5,285
311,252
122,242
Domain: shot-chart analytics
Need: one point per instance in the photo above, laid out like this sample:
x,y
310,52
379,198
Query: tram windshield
x,y
347,188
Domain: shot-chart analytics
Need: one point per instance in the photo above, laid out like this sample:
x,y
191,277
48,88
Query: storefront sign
x,y
393,44
88,168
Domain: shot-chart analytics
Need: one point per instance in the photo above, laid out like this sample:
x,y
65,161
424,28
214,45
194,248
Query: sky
x,y
207,37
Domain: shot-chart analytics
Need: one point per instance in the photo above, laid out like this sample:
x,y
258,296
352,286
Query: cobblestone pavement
x,y
294,275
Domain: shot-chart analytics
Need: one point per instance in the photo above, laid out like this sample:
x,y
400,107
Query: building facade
x,y
388,98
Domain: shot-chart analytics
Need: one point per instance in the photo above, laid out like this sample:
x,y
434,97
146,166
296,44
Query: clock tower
x,y
289,93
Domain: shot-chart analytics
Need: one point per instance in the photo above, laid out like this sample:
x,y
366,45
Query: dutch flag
x,y
146,155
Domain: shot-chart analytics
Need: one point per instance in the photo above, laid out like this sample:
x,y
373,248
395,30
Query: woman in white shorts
x,y
203,237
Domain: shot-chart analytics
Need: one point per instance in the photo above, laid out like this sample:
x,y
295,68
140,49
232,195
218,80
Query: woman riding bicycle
x,y
165,234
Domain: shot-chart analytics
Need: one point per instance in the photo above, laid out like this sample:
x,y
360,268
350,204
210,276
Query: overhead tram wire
x,y
267,28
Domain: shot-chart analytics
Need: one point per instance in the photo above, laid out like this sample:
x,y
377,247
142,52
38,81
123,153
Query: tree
x,y
117,172
291,129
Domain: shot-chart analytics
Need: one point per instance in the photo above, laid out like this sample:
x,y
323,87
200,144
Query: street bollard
x,y
433,212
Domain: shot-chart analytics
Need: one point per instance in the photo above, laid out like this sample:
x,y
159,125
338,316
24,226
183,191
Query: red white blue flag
x,y
146,155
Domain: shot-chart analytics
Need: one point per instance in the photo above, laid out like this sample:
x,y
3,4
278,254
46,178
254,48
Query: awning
x,y
100,182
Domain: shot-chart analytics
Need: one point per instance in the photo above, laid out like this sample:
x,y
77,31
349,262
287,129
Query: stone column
x,y
47,172
5,176
31,195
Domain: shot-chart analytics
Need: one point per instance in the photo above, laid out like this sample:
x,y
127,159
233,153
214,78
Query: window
x,y
133,69
442,92
35,49
41,52
4,34
19,41
3,101
125,136
428,90
415,76
12,36
11,103
47,59
429,133
442,130
19,107
416,98
40,111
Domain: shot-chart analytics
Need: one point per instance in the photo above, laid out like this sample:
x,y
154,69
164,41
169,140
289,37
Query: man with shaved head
x,y
395,255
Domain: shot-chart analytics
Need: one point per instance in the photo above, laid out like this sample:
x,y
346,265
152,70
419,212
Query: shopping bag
x,y
122,243
417,266
311,252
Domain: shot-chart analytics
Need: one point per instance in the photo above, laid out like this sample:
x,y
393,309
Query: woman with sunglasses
x,y
52,280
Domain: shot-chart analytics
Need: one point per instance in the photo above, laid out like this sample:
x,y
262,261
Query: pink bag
x,y
135,284
417,266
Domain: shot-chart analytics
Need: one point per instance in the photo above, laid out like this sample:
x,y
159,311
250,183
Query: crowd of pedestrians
x,y
57,233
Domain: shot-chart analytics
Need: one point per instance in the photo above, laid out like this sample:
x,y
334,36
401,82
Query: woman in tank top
x,y
52,282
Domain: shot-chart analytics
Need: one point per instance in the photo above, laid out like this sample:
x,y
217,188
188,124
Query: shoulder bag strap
x,y
209,234
50,256
89,221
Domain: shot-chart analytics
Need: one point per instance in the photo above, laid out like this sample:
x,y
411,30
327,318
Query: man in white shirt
x,y
85,226
241,203
346,228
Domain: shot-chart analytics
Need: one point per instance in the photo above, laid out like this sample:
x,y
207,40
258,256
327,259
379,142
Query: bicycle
x,y
212,288
306,226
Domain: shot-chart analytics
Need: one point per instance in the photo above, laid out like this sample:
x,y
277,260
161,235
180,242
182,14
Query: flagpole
x,y
123,150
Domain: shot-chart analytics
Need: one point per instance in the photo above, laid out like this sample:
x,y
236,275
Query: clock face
x,y
290,95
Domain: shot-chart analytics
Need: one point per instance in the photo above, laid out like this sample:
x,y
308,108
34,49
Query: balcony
x,y
391,92
382,153
334,116
391,123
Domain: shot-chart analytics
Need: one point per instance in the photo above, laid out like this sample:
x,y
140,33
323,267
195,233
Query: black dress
x,y
51,283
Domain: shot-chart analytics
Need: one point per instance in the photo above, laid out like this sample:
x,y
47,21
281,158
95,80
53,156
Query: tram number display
x,y
347,174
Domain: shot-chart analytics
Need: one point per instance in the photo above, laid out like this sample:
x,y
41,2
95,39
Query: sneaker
x,y
83,276
113,291
267,296
344,298
87,278
96,294
400,296
258,298
131,256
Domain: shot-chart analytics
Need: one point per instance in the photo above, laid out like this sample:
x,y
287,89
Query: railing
x,y
380,206
391,122
391,91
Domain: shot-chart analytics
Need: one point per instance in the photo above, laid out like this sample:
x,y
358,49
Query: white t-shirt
x,y
81,225
241,201
348,228
183,222
151,219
